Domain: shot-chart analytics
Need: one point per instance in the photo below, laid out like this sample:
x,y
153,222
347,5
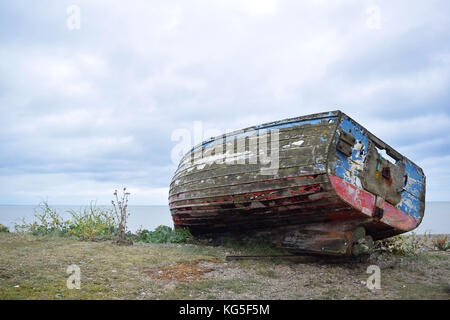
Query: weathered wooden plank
x,y
279,210
248,181
241,189
244,200
237,223
316,125
317,165
249,221
287,172
284,177
312,134
289,148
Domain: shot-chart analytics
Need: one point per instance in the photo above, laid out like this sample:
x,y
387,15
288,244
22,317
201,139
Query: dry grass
x,y
35,268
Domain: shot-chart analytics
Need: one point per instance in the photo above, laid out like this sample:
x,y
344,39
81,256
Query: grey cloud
x,y
97,106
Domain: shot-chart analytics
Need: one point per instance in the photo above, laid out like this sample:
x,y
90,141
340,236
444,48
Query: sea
x,y
436,219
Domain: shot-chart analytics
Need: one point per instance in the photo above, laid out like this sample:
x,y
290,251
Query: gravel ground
x,y
35,268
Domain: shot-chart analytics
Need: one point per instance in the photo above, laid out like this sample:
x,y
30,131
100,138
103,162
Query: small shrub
x,y
441,244
3,228
163,234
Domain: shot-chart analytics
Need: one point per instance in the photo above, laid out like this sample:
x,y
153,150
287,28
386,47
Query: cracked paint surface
x,y
350,169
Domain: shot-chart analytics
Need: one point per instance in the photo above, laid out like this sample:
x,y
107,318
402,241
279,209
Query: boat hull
x,y
310,203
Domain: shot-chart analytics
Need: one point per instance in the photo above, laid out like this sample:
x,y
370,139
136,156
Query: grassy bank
x,y
34,267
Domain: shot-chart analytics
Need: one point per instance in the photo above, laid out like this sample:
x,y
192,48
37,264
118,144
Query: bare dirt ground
x,y
35,268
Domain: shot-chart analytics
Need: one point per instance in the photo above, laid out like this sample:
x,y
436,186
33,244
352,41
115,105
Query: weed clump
x,y
401,245
89,223
163,234
96,223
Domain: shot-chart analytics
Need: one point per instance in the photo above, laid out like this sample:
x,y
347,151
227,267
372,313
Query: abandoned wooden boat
x,y
314,184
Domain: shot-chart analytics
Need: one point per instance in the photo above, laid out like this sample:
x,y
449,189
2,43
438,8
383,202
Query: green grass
x,y
38,266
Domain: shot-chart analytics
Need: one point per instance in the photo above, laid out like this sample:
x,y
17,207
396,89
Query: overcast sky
x,y
86,110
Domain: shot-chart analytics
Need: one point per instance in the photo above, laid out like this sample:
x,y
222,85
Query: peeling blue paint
x,y
410,205
413,188
340,171
205,144
413,171
327,116
344,165
355,131
410,202
313,122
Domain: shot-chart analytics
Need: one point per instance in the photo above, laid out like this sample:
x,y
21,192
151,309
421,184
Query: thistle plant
x,y
120,209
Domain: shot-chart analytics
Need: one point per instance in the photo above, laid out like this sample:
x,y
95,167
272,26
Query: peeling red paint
x,y
397,218
366,202
358,198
